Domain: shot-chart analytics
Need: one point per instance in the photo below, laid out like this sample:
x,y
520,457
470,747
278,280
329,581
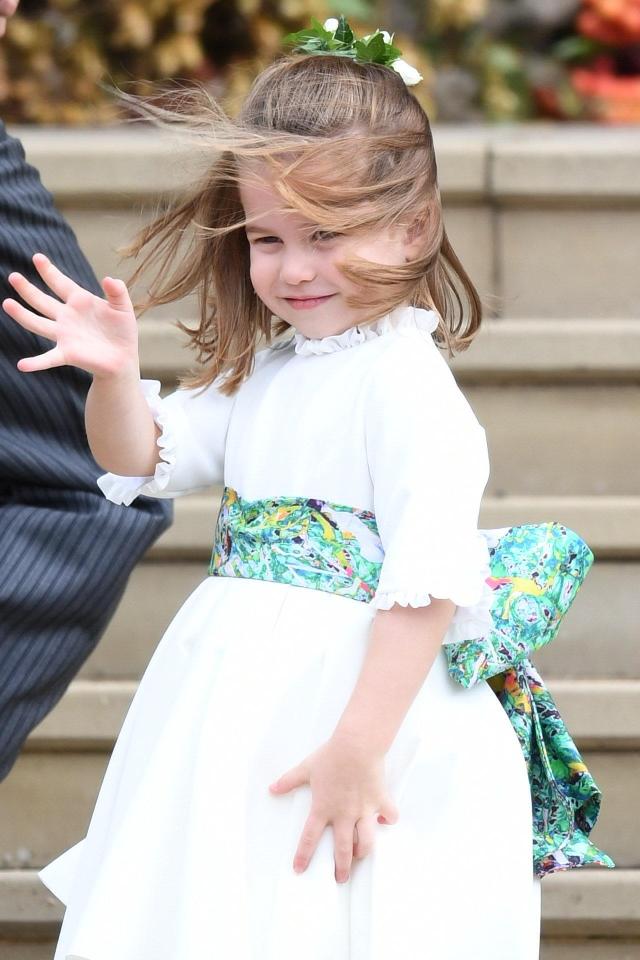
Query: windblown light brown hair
x,y
306,116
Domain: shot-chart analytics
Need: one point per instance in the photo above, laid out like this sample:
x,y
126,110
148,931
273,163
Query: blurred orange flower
x,y
616,22
611,98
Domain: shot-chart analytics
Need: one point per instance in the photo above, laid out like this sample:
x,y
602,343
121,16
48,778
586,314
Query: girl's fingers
x,y
33,295
343,849
117,294
364,837
52,358
311,833
62,285
31,321
388,812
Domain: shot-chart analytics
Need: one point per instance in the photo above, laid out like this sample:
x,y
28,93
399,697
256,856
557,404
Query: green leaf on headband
x,y
344,33
362,51
315,36
375,50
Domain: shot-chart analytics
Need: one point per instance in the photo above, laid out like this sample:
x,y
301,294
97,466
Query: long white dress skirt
x,y
188,856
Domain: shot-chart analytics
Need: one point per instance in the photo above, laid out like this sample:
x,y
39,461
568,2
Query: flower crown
x,y
336,37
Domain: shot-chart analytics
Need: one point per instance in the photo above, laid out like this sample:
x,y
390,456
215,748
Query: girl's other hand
x,y
348,791
99,336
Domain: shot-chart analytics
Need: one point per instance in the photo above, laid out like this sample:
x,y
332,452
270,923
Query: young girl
x,y
298,776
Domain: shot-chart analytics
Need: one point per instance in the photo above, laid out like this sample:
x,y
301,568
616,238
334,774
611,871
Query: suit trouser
x,y
65,551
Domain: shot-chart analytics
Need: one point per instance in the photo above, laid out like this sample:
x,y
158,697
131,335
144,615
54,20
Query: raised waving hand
x,y
98,335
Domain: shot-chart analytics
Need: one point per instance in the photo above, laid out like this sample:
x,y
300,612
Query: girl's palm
x,y
97,335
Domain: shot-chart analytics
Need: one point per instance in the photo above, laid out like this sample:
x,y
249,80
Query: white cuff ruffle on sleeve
x,y
124,490
465,586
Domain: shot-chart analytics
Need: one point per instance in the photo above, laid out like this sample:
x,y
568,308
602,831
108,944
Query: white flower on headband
x,y
331,24
408,73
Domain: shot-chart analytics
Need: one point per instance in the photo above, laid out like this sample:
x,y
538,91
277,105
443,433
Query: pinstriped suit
x,y
65,551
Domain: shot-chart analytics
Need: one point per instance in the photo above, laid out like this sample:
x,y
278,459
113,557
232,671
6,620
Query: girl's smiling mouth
x,y
304,303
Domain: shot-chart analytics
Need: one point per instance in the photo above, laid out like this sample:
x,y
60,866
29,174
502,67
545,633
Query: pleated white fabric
x,y
188,856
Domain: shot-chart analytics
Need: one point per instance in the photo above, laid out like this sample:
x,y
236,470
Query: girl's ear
x,y
415,237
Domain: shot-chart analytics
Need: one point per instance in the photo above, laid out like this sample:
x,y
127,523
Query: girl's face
x,y
294,264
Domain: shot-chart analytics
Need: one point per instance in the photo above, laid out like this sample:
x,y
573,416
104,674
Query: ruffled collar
x,y
401,319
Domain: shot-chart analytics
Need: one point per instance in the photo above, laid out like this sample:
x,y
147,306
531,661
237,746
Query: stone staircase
x,y
545,219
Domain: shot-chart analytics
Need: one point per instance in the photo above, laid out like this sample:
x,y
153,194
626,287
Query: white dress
x,y
188,856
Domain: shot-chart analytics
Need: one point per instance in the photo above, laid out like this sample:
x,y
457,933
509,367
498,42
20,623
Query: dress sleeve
x,y
192,443
429,466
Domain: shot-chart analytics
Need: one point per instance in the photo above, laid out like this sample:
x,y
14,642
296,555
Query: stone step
x,y
590,644
593,948
46,802
609,524
533,161
596,948
528,351
530,210
576,905
561,382
561,386
562,389
601,714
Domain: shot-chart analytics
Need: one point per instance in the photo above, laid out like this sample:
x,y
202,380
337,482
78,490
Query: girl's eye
x,y
326,234
320,234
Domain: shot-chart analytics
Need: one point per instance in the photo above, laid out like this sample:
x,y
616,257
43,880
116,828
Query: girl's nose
x,y
297,267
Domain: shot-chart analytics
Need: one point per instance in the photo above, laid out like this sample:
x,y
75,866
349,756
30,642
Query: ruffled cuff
x,y
124,490
467,587
473,622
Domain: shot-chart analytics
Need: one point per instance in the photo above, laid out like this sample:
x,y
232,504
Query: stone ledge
x,y
610,525
564,948
117,163
548,350
526,350
586,648
103,164
27,906
579,903
538,161
601,714
509,161
591,901
88,717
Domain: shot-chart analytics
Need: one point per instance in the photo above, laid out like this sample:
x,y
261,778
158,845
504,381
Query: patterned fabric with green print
x,y
536,571
305,543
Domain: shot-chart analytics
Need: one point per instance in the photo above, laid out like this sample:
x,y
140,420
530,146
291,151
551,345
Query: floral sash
x,y
536,571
